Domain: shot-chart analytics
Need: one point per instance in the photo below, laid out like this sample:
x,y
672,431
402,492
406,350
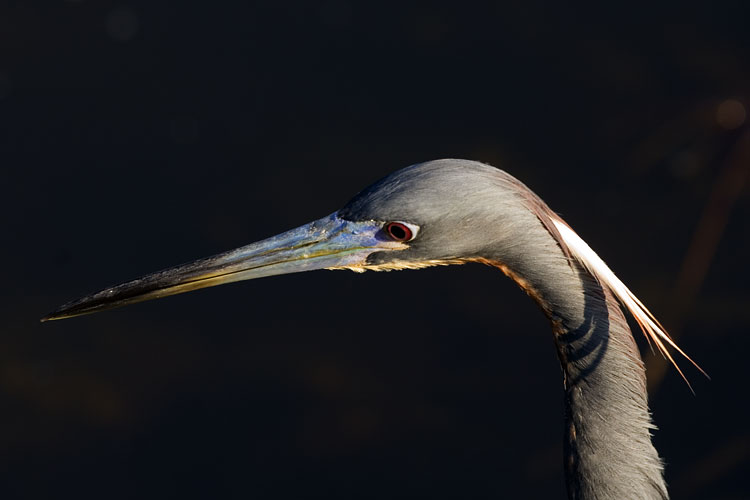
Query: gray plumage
x,y
469,210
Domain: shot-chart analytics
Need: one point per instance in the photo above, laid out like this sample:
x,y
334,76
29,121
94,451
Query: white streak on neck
x,y
596,266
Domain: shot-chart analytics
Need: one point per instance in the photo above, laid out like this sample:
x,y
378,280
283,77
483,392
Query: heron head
x,y
443,211
432,213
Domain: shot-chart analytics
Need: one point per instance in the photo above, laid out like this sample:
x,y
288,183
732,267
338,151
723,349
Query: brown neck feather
x,y
607,444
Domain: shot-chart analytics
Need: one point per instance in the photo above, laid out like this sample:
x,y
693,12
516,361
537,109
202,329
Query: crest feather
x,y
650,326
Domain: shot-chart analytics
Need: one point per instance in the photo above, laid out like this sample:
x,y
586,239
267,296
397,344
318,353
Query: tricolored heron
x,y
456,211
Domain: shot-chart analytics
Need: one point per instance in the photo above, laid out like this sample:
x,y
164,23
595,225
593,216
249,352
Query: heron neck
x,y
607,438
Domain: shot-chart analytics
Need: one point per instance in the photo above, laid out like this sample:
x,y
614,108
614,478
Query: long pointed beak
x,y
327,243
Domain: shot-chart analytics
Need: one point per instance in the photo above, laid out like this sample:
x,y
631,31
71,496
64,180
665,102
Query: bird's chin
x,y
399,265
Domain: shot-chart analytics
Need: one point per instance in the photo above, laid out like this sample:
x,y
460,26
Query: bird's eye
x,y
398,231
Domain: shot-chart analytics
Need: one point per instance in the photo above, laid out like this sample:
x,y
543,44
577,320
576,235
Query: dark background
x,y
138,135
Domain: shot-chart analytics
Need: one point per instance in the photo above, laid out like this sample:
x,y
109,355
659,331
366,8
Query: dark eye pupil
x,y
398,232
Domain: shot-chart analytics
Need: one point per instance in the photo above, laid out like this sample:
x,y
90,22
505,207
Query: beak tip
x,y
53,316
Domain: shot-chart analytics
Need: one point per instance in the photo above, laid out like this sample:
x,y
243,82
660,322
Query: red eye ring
x,y
399,231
